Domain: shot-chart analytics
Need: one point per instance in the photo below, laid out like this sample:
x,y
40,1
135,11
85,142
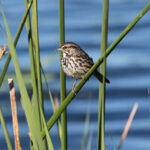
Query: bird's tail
x,y
100,77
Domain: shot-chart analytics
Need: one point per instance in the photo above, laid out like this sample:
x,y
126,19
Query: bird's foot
x,y
73,87
84,79
74,92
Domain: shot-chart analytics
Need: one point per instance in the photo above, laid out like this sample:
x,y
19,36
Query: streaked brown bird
x,y
76,62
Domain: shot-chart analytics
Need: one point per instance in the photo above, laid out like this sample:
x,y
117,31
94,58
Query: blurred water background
x,y
128,68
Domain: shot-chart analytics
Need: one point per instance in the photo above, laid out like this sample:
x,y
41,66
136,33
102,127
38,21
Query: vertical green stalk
x,y
35,40
101,113
62,76
33,73
37,51
3,124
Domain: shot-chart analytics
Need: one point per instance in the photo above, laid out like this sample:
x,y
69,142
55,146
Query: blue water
x,y
128,68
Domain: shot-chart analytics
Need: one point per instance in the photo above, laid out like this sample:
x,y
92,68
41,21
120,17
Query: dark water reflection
x,y
128,70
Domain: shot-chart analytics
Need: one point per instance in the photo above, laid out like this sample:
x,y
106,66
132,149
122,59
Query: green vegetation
x,y
101,112
40,138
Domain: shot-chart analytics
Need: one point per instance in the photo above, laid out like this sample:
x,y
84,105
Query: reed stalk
x,y
62,75
14,114
35,37
48,137
85,133
4,127
127,126
101,112
38,103
32,66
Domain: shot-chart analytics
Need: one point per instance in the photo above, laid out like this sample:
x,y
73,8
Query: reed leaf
x,y
90,142
87,120
3,124
48,138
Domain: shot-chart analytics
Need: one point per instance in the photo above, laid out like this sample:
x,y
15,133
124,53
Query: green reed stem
x,y
62,75
35,37
101,112
85,133
48,137
3,124
15,42
33,72
71,95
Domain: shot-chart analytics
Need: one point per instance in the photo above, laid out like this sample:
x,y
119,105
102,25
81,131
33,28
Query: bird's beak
x,y
60,50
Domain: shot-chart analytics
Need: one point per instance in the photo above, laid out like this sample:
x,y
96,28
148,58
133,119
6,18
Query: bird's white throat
x,y
64,54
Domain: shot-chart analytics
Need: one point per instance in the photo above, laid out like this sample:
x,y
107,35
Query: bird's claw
x,y
73,87
84,78
73,91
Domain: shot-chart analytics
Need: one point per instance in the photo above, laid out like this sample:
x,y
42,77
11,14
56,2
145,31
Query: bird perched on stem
x,y
76,62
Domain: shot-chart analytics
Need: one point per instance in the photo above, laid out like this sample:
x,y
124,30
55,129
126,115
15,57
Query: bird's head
x,y
69,48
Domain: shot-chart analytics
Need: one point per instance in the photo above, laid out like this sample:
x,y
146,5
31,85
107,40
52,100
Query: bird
x,y
76,63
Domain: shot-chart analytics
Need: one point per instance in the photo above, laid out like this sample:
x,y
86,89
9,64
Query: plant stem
x,y
35,102
101,112
37,51
4,127
62,75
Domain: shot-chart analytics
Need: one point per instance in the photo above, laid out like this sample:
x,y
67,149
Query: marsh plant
x,y
33,105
